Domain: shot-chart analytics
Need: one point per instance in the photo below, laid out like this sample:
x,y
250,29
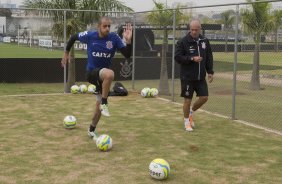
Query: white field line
x,y
226,117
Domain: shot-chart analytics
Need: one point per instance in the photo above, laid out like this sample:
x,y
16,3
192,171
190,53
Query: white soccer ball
x,y
91,88
83,88
154,92
69,121
74,89
104,142
145,92
159,169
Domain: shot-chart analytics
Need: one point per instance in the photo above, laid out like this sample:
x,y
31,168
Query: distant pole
x,y
18,35
173,61
233,115
65,44
30,37
133,51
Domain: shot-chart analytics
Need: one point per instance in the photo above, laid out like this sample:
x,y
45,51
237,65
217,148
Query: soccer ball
x,y
145,92
159,169
74,89
154,92
104,142
83,88
69,121
91,88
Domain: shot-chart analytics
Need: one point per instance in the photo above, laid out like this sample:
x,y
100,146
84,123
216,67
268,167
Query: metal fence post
x,y
65,44
173,61
235,64
133,52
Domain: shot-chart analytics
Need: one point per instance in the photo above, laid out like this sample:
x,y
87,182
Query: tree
x,y
5,12
227,19
277,22
163,17
256,21
75,20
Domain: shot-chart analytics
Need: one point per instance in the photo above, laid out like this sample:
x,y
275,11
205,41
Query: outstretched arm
x,y
70,43
127,35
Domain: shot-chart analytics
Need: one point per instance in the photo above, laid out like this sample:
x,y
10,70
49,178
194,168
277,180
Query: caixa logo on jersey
x,y
126,69
101,54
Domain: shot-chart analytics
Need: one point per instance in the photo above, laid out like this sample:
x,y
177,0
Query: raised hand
x,y
127,33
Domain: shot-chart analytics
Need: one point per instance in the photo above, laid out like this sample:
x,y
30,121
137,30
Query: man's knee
x,y
107,74
187,101
204,99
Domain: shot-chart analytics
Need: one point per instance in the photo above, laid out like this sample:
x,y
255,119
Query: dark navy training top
x,y
100,51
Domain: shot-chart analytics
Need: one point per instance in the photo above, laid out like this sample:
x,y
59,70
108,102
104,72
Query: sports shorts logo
x,y
187,91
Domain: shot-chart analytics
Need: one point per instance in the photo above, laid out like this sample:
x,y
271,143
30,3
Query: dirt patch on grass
x,y
7,179
194,148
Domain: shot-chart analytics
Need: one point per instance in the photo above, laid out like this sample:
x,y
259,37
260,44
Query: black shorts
x,y
93,78
189,87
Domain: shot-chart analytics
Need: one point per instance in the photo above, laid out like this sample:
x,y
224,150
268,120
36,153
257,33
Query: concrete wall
x,y
14,70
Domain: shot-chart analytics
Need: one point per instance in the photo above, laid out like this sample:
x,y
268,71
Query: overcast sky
x,y
146,5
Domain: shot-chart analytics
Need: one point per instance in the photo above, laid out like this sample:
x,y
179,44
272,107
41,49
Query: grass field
x,y
269,61
250,105
35,148
23,51
270,64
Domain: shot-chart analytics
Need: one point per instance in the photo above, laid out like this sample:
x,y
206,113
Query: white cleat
x,y
104,110
93,135
191,120
188,126
193,124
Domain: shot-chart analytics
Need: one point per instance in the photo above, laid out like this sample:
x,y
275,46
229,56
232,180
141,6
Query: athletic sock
x,y
191,111
104,101
92,128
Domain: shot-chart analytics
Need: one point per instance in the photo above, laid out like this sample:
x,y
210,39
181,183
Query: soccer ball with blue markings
x,y
159,169
91,88
104,142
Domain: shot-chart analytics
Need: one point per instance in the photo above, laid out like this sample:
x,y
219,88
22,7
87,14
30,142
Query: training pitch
x,y
36,148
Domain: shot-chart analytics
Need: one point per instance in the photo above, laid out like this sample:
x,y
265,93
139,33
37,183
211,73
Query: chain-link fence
x,y
245,40
246,51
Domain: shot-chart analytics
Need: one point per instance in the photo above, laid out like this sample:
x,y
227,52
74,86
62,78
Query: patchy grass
x,y
35,148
